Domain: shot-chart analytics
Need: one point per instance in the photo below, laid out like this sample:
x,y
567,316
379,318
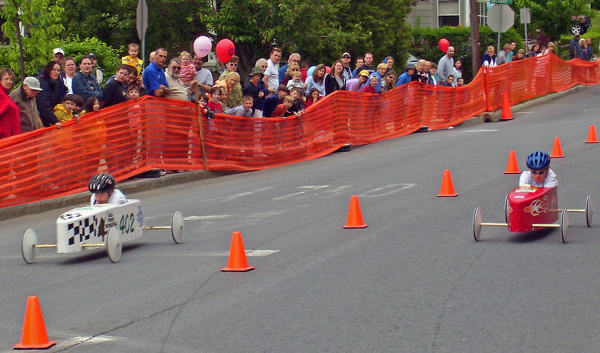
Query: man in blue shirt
x,y
154,77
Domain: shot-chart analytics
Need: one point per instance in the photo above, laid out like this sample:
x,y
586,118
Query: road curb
x,y
144,184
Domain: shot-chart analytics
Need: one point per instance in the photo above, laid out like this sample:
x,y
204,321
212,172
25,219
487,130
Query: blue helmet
x,y
538,160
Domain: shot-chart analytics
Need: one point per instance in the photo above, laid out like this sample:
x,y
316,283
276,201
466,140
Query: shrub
x,y
108,57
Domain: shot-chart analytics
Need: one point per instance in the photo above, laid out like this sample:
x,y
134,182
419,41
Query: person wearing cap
x,y
407,76
96,69
24,97
575,50
84,82
357,84
59,56
345,59
255,88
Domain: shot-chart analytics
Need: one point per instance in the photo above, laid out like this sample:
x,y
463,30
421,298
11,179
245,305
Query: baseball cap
x,y
364,73
346,54
92,55
58,50
33,83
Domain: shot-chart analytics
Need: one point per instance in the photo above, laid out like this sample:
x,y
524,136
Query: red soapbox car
x,y
531,208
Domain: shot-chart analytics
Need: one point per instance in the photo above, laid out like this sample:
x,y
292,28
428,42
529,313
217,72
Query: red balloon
x,y
327,69
444,44
225,50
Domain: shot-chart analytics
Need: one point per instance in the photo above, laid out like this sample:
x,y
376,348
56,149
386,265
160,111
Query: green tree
x,y
553,17
319,30
171,23
40,22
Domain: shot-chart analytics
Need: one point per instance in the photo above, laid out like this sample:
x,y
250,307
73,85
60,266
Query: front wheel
x,y
28,244
114,244
577,29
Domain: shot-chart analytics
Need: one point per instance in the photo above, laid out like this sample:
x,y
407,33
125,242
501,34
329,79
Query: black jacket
x,y
47,99
331,84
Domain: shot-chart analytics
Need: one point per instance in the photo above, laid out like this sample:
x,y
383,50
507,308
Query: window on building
x,y
448,20
482,13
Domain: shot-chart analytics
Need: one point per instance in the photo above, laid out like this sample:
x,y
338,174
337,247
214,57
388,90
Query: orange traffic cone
x,y
592,135
506,113
512,167
355,219
34,334
557,149
237,255
447,189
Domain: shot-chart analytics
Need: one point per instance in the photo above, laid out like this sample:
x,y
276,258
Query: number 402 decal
x,y
126,223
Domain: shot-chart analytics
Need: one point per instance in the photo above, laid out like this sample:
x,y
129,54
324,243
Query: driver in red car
x,y
539,173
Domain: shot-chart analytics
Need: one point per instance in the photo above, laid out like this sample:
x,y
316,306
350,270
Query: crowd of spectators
x,y
65,90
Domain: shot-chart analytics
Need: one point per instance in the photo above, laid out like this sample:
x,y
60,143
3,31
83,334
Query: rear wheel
x,y
477,223
564,225
589,210
177,227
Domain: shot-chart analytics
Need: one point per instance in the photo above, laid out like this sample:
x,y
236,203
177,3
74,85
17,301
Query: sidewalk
x,y
142,184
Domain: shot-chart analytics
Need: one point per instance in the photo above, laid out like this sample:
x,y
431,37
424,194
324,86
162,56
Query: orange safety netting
x,y
148,133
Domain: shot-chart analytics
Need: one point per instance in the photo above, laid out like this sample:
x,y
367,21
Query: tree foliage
x,y
40,21
171,23
553,17
319,30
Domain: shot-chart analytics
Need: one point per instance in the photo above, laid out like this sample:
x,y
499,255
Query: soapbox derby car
x,y
99,226
527,209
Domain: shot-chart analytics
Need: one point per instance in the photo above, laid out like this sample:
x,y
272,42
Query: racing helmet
x,y
101,183
538,160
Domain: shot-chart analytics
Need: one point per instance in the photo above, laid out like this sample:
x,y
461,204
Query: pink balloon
x,y
327,69
202,46
444,44
225,50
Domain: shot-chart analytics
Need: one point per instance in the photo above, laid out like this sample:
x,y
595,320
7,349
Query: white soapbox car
x,y
98,226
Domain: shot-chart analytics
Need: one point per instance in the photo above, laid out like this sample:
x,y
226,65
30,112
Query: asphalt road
x,y
413,281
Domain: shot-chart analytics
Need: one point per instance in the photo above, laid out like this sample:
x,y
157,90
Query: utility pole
x,y
474,20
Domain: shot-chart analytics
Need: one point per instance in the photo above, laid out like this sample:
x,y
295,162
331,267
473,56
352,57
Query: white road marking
x,y
394,189
313,187
86,339
289,195
254,253
337,190
264,214
206,218
241,194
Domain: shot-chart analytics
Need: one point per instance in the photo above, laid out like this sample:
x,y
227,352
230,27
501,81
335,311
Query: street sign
x,y
525,15
507,2
141,22
500,18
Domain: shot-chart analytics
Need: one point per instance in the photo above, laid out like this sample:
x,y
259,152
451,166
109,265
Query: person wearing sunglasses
x,y
539,173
